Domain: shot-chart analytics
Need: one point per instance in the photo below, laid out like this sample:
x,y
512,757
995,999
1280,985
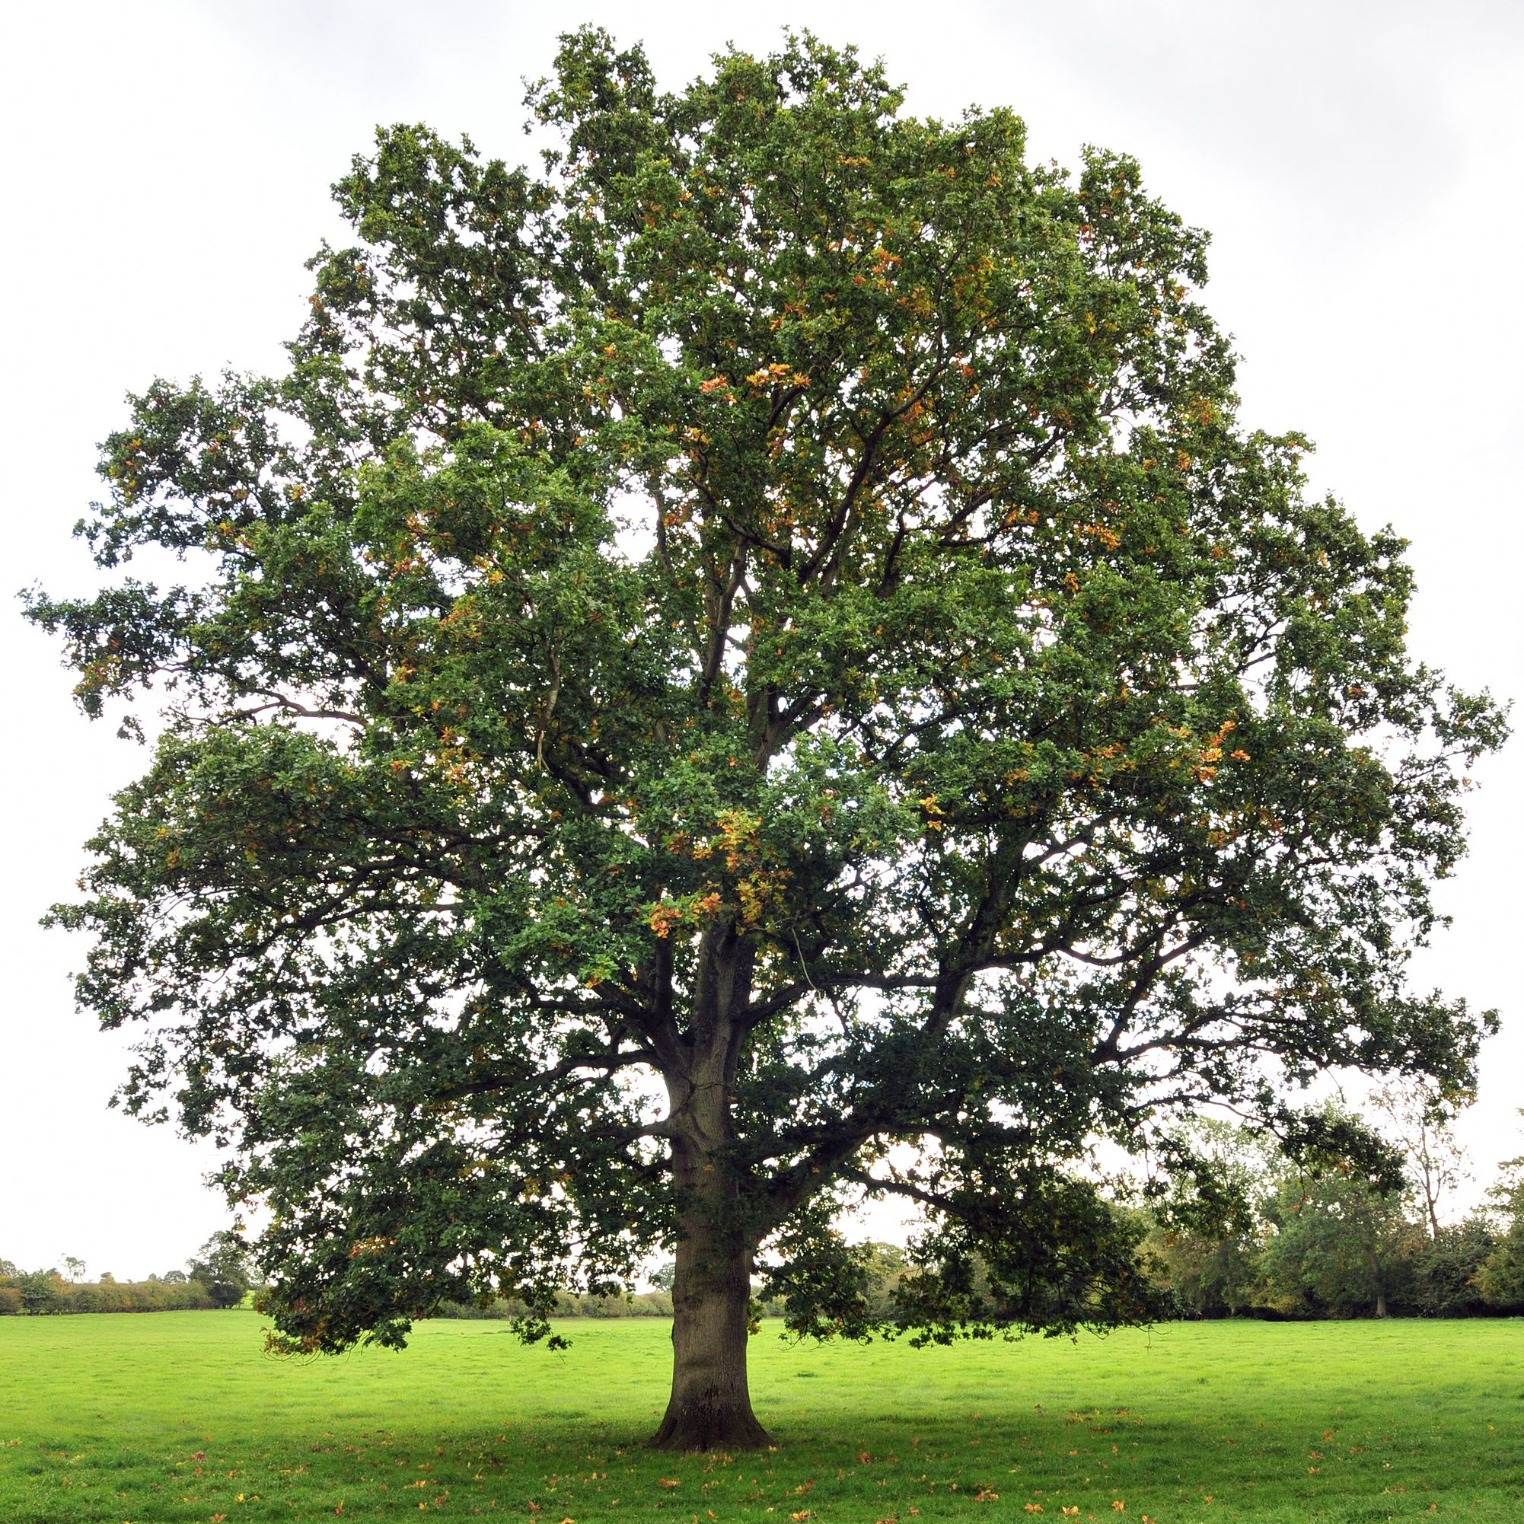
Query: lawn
x,y
180,1416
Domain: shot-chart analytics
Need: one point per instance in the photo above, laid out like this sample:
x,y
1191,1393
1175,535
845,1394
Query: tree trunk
x,y
710,1407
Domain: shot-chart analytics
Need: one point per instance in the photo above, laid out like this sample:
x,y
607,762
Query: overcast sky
x,y
166,174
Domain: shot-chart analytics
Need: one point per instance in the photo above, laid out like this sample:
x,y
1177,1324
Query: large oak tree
x,y
749,667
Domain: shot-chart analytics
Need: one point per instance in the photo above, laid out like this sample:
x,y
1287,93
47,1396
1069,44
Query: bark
x,y
710,1407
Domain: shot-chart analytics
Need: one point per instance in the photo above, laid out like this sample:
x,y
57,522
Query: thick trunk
x,y
710,1407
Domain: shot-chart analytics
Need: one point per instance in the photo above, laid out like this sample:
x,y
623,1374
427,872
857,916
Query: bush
x,y
1501,1276
45,1291
1446,1271
139,1296
42,1291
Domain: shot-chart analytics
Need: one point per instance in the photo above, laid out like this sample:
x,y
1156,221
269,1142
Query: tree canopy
x,y
749,667
222,1266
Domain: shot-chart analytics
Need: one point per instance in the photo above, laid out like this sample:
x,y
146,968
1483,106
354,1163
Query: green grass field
x,y
180,1416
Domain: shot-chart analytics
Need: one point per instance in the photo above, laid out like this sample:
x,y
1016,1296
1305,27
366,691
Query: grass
x,y
179,1416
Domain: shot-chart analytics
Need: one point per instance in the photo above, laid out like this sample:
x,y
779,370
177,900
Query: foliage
x,y
1340,1244
1211,1276
47,1292
222,1266
41,1291
1419,1120
1447,1274
1344,1240
139,1296
1501,1277
751,668
219,1278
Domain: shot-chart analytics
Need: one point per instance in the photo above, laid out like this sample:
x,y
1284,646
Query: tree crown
x,y
776,605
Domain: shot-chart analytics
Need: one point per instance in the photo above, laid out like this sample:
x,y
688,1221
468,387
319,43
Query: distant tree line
x,y
1259,1237
220,1275
1330,1241
1329,1238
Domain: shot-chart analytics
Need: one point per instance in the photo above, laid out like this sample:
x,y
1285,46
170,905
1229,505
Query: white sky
x,y
166,170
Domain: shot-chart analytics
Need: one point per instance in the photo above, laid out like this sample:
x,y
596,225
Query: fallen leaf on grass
x,y
1118,1506
668,1481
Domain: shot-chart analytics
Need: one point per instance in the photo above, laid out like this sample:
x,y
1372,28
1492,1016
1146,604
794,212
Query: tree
x,y
42,1291
1205,1244
1500,1279
750,667
1342,1244
222,1266
1448,1268
1421,1124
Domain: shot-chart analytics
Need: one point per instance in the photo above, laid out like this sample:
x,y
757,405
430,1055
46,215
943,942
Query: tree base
x,y
710,1427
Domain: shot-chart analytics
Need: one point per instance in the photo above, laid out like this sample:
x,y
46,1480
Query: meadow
x,y
181,1416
